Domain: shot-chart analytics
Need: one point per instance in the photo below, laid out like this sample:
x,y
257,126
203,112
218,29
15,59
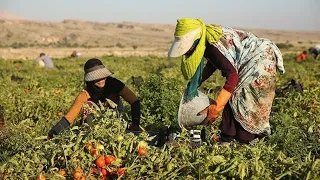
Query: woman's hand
x,y
59,127
212,113
213,110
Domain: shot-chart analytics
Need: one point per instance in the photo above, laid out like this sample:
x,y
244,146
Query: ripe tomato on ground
x,y
41,177
100,162
94,152
109,159
77,175
215,138
121,171
104,172
78,169
142,151
89,146
94,171
62,172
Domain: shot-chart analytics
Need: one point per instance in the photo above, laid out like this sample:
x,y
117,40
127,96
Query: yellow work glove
x,y
213,110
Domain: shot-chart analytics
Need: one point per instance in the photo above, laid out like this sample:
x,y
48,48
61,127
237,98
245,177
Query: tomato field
x,y
34,99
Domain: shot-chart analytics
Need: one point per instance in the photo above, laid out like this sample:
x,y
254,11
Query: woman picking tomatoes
x,y
100,86
249,64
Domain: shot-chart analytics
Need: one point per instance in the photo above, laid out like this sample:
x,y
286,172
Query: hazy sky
x,y
270,14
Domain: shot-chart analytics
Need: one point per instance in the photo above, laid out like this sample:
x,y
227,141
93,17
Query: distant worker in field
x,y
302,56
75,54
315,51
100,87
44,61
250,66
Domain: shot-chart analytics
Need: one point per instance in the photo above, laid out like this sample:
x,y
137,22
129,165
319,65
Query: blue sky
x,y
268,14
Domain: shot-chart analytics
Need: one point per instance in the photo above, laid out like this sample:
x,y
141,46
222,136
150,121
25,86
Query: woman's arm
x,y
128,95
75,109
228,71
222,63
132,99
71,115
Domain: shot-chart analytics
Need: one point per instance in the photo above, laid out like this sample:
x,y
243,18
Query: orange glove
x,y
213,110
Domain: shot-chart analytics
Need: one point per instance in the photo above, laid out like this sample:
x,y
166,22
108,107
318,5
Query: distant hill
x,y
25,39
78,33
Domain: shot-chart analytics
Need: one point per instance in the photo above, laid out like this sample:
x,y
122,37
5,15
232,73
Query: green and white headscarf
x,y
210,33
192,66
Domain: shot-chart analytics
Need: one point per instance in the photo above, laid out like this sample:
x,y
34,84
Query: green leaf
x,y
310,129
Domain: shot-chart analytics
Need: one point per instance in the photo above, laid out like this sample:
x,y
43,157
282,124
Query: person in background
x,y
100,86
302,56
44,61
250,66
315,51
75,54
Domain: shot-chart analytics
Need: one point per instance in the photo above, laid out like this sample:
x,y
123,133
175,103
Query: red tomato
x,y
78,169
121,171
41,177
142,151
215,138
100,162
89,146
104,172
62,172
94,171
109,159
77,175
93,152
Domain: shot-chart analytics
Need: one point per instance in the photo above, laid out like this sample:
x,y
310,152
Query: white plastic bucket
x,y
188,111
